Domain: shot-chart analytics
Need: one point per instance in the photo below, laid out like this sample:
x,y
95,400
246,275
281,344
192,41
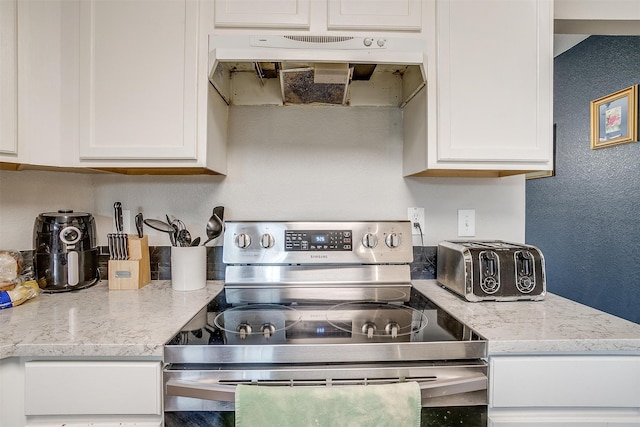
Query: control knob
x,y
392,240
268,330
369,328
243,329
243,240
267,241
369,240
368,41
381,42
392,329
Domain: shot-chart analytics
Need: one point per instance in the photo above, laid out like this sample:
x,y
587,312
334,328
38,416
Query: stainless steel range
x,y
321,303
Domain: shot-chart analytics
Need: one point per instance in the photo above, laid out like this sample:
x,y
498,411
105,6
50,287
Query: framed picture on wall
x,y
614,118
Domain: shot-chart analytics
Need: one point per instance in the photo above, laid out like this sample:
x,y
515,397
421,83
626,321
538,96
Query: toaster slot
x,y
525,271
489,272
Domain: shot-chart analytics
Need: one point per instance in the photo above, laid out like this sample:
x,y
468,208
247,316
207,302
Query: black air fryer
x,y
66,256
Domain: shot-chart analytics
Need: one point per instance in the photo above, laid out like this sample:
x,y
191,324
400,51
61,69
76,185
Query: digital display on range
x,y
315,329
318,240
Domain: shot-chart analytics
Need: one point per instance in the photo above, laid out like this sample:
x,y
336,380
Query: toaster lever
x,y
489,262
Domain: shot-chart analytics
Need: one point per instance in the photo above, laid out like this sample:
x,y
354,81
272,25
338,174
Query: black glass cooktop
x,y
361,322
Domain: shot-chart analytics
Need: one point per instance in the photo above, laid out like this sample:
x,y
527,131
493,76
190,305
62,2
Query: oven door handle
x,y
226,392
201,390
453,386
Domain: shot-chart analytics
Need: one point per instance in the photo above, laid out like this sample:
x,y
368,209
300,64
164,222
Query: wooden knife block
x,y
135,272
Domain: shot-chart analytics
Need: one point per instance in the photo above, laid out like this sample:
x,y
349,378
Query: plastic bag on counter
x,y
17,283
20,293
11,263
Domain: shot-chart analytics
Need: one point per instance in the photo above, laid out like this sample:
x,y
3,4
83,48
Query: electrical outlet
x,y
416,215
466,222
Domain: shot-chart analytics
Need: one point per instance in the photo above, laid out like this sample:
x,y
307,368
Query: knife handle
x,y
117,211
139,225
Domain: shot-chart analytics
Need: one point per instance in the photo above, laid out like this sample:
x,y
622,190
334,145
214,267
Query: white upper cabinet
x,y
319,16
8,80
494,91
138,79
40,105
262,13
143,97
615,10
374,14
489,99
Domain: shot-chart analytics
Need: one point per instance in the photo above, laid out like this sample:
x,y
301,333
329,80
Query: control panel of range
x,y
363,242
316,240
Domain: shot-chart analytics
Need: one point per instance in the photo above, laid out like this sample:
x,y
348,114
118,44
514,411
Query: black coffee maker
x,y
66,255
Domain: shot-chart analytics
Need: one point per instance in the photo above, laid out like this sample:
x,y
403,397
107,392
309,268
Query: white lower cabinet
x,y
78,393
572,390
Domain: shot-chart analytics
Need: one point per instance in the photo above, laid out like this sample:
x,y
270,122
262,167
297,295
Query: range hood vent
x,y
316,70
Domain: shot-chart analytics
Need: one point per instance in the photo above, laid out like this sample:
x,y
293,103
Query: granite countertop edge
x,y
98,322
554,325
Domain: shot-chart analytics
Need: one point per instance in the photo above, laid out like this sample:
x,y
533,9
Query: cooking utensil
x,y
183,237
158,225
195,242
139,225
215,224
172,236
117,213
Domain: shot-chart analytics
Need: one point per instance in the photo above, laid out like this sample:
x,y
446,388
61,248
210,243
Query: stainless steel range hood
x,y
317,70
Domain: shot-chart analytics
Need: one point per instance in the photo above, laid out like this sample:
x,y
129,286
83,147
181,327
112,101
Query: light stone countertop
x,y
98,322
553,325
101,322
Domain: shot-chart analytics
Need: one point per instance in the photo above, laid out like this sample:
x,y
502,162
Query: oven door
x,y
452,393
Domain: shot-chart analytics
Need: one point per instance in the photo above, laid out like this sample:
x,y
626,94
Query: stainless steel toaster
x,y
491,270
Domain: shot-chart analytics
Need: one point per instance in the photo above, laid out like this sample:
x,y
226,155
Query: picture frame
x,y
614,118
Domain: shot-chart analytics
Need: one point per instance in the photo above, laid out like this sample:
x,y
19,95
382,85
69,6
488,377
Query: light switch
x,y
466,222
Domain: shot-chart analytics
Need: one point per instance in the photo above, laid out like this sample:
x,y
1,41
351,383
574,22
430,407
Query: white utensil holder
x,y
188,267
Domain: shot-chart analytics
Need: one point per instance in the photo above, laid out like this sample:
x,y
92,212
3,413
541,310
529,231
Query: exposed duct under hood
x,y
311,70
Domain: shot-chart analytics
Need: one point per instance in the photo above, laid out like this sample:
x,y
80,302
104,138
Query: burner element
x,y
252,324
377,322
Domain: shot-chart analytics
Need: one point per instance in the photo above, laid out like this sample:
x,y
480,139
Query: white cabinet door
x,y
262,13
8,79
138,79
93,387
571,390
494,82
574,418
597,10
565,381
375,14
487,110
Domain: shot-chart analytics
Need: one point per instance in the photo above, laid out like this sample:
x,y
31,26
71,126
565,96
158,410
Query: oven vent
x,y
319,39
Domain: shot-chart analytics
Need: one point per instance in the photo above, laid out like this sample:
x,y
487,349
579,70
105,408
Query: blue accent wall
x,y
586,219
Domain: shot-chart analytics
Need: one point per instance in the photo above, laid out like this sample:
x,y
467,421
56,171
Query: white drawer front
x,y
565,381
65,388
